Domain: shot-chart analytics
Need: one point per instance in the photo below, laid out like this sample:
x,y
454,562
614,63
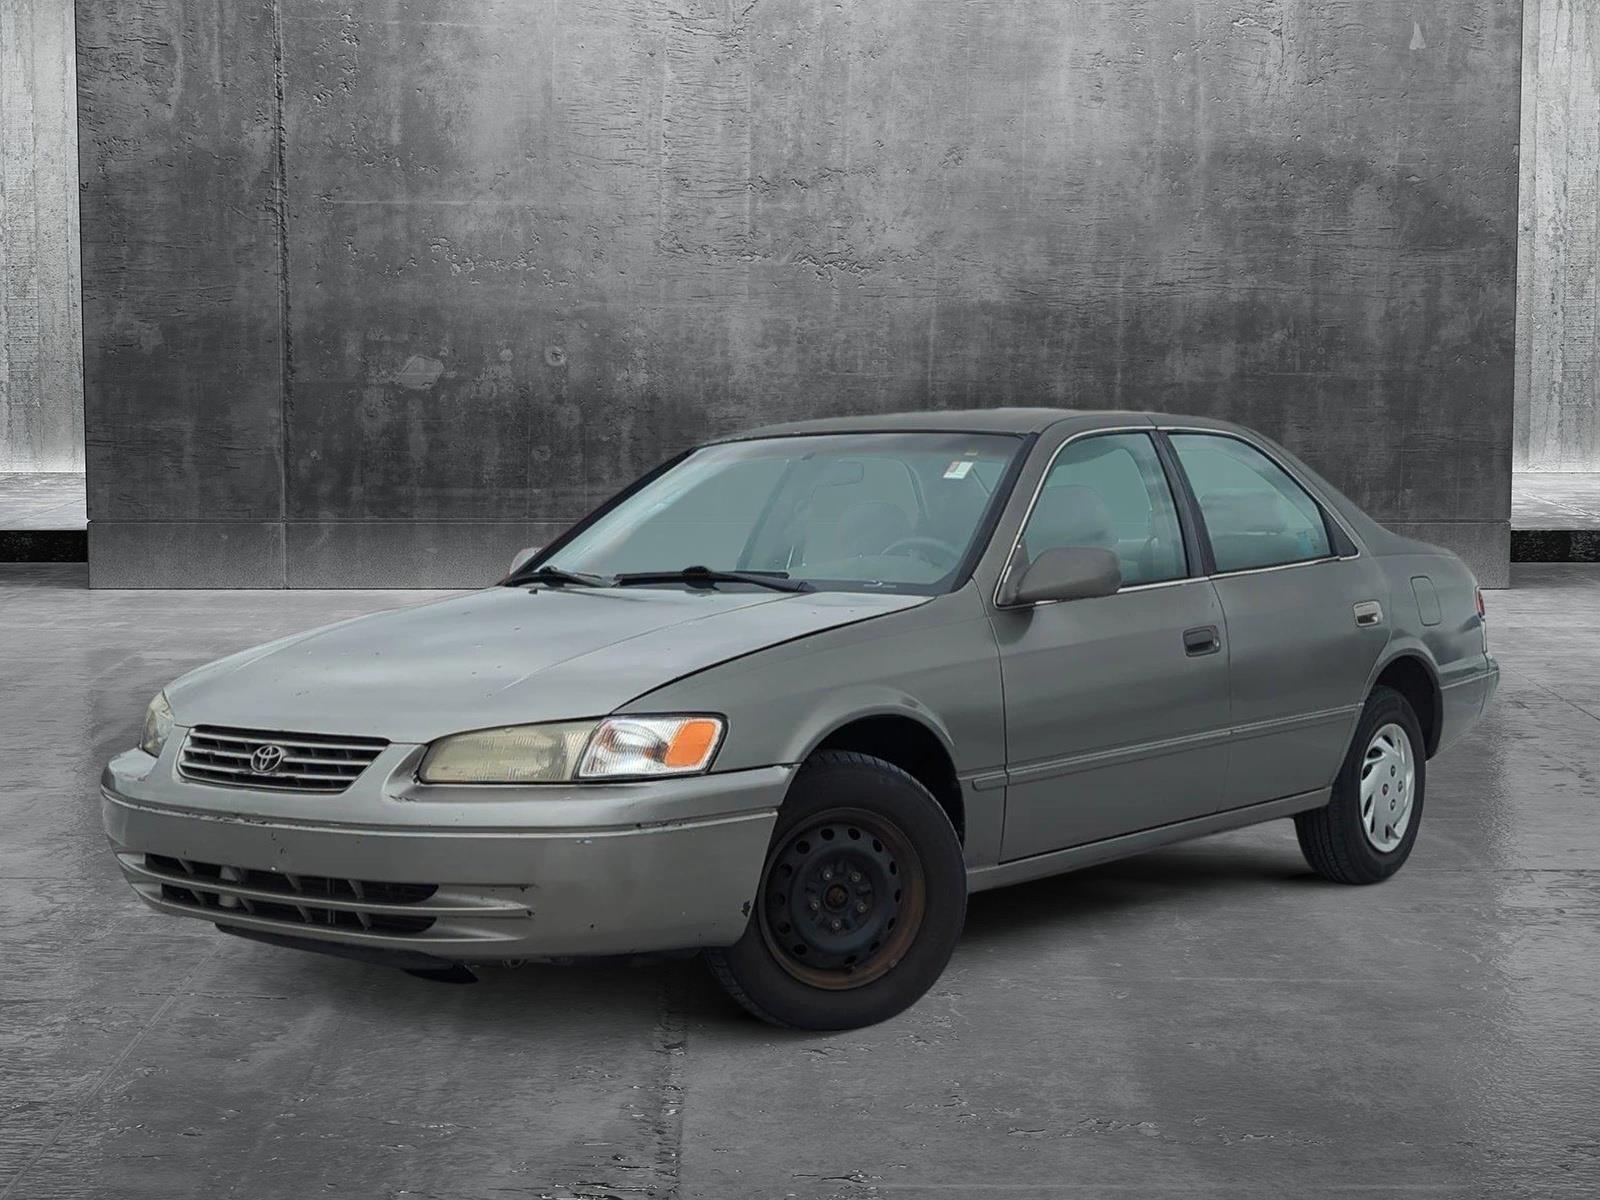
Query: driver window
x,y
1110,491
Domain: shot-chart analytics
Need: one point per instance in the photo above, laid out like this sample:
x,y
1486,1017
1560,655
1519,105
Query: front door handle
x,y
1201,640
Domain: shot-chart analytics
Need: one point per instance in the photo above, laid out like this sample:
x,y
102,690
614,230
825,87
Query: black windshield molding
x,y
998,503
583,523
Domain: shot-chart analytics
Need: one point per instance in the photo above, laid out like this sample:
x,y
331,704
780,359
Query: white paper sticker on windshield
x,y
958,469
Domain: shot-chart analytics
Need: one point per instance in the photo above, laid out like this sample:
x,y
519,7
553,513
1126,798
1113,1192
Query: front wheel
x,y
862,899
1365,833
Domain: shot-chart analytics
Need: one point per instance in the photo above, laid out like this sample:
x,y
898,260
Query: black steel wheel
x,y
862,899
842,898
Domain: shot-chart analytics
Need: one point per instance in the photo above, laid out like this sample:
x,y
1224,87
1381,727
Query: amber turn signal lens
x,y
691,745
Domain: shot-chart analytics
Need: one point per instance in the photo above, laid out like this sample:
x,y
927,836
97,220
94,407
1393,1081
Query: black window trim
x,y
1338,534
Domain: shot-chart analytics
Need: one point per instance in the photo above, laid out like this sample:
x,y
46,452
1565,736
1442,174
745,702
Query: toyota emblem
x,y
264,760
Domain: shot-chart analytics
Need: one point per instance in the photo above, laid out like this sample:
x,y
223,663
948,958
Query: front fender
x,y
843,707
936,664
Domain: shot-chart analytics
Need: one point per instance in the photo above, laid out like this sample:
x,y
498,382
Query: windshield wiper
x,y
778,581
555,575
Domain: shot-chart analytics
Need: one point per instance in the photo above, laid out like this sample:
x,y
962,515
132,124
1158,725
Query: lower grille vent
x,y
291,899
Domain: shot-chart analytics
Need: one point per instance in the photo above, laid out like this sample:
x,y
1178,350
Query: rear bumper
x,y
647,879
1466,700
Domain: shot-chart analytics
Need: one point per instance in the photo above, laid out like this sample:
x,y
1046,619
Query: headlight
x,y
513,754
616,748
157,726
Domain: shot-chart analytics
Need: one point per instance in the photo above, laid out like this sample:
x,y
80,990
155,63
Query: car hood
x,y
502,656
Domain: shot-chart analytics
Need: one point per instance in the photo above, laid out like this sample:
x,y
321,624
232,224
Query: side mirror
x,y
1065,573
522,556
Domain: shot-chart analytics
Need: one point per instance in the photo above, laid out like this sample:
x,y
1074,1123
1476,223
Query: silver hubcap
x,y
1388,786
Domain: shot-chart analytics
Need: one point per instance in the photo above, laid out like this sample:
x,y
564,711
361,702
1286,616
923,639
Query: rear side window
x,y
1110,491
1256,514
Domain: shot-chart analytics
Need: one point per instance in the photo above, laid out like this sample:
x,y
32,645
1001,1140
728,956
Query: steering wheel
x,y
948,553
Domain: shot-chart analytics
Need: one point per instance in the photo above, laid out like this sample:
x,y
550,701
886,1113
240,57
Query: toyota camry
x,y
794,695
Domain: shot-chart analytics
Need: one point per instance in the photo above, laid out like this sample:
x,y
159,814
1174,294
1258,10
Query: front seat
x,y
1069,515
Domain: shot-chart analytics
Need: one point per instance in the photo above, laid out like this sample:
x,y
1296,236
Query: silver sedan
x,y
791,697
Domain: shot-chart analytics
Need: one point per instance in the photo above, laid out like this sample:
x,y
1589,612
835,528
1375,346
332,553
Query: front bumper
x,y
488,874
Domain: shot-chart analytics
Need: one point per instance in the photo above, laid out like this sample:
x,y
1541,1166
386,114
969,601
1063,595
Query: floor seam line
x,y
109,1073
1551,692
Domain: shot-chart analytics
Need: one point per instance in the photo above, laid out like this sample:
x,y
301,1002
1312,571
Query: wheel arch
x,y
905,738
1409,671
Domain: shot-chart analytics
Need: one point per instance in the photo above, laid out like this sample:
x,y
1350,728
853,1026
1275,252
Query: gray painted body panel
x,y
1078,731
512,884
1075,858
1454,647
1110,725
936,664
501,656
1298,666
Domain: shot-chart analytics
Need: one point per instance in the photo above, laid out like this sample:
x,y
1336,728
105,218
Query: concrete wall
x,y
378,291
1558,315
41,347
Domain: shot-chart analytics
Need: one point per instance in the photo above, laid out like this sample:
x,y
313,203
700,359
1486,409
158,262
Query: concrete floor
x,y
1555,500
48,500
1207,1020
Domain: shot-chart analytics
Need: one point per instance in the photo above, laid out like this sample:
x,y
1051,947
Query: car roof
x,y
972,420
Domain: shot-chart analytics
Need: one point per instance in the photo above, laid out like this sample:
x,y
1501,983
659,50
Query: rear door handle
x,y
1201,640
1368,612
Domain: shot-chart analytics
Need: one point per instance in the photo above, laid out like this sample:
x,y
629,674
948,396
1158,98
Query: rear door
x,y
1116,706
1306,616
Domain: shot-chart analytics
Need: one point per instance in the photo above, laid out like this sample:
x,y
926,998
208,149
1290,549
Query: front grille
x,y
219,890
296,762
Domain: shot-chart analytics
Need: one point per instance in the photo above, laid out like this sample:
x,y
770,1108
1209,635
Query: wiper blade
x,y
555,575
778,581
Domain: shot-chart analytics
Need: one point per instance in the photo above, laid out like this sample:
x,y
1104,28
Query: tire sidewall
x,y
859,781
1385,707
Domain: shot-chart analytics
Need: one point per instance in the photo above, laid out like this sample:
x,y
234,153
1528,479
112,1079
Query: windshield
x,y
891,511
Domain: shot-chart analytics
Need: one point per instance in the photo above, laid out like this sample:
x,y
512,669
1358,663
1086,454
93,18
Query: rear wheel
x,y
862,898
1365,833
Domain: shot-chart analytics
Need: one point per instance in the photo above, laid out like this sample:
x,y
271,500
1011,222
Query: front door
x,y
1116,706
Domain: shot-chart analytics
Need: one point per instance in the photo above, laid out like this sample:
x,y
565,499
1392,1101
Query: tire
x,y
862,899
1339,840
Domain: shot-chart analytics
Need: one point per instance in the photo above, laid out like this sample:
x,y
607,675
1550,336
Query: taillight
x,y
1478,594
1483,624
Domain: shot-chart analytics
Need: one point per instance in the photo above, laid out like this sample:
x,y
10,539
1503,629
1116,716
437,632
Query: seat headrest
x,y
1070,515
1244,512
